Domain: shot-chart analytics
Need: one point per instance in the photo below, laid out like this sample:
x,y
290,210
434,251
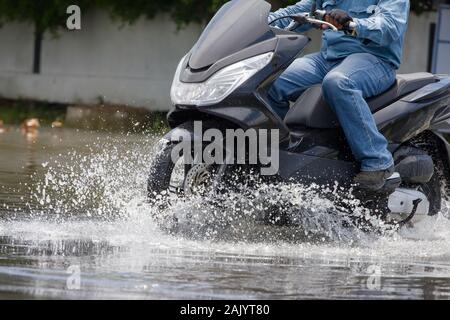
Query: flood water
x,y
75,223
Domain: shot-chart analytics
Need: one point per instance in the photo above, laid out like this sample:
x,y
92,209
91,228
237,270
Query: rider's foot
x,y
373,180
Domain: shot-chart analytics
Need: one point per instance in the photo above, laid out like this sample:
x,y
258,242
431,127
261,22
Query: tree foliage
x,y
51,14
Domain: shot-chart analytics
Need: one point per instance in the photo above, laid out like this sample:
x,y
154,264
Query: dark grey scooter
x,y
224,80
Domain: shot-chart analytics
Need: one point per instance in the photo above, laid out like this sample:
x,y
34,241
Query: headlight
x,y
220,85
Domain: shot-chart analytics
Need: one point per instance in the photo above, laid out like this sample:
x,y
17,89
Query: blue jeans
x,y
346,84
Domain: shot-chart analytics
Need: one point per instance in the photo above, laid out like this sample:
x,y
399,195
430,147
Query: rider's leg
x,y
345,88
301,74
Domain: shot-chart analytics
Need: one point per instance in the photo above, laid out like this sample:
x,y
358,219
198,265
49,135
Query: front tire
x,y
161,172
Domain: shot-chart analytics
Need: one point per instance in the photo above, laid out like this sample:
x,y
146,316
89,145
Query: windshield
x,y
237,25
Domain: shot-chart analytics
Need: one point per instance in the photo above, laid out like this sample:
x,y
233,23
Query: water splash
x,y
105,185
105,181
99,194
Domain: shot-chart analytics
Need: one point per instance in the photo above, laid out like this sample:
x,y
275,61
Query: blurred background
x,y
126,53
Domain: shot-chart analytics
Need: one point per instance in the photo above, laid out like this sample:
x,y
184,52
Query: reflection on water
x,y
76,198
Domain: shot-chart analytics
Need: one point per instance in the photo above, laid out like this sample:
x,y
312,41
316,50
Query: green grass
x,y
15,112
102,118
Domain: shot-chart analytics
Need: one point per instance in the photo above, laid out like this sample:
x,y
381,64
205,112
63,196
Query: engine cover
x,y
408,204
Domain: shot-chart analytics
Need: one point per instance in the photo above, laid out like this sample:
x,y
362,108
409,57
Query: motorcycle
x,y
224,82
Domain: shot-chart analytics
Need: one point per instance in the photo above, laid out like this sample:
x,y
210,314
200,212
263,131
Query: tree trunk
x,y
276,4
38,35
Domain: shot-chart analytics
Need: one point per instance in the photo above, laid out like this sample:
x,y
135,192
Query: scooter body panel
x,y
248,105
236,26
307,169
416,112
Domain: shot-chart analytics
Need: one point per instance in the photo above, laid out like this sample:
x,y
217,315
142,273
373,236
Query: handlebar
x,y
316,18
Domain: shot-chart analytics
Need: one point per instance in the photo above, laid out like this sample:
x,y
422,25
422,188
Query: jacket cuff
x,y
360,30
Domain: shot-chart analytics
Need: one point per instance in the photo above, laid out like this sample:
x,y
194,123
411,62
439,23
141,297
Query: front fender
x,y
182,133
193,132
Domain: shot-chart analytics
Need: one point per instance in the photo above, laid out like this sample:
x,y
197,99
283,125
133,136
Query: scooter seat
x,y
311,110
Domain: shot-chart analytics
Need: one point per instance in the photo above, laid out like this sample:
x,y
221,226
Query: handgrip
x,y
300,19
320,15
320,22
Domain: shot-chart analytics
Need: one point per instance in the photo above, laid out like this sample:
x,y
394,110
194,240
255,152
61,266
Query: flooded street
x,y
75,223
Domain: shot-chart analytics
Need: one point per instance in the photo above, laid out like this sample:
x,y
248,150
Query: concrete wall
x,y
415,57
105,61
130,65
16,53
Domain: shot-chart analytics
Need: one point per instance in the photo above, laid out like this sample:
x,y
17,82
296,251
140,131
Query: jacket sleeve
x,y
301,6
387,24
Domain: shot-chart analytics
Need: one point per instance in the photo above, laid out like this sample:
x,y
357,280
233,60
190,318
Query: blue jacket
x,y
381,27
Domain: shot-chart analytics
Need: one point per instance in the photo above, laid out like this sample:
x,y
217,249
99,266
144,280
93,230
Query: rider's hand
x,y
339,18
